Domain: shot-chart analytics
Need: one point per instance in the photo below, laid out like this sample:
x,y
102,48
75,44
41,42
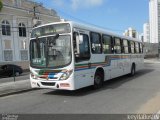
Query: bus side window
x,y
96,43
129,47
126,46
117,46
132,47
84,49
74,40
107,46
122,46
137,47
140,48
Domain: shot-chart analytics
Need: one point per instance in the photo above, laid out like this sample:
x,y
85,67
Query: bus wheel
x,y
133,70
98,80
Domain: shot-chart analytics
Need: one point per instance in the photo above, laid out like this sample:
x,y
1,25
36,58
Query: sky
x,y
113,15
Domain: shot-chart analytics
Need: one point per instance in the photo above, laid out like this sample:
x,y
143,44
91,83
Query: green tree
x,y
1,5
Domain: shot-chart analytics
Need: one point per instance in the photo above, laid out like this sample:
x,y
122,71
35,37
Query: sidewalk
x,y
10,88
152,60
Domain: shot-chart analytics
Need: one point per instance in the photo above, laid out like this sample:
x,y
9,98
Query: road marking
x,y
151,106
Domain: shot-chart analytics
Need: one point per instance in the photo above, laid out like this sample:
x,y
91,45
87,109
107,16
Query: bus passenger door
x,y
82,76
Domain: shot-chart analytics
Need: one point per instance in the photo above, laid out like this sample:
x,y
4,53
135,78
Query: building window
x,y
22,30
6,29
24,55
8,55
96,43
17,3
7,44
24,45
24,51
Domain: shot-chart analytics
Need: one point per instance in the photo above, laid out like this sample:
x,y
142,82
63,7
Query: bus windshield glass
x,y
51,51
50,30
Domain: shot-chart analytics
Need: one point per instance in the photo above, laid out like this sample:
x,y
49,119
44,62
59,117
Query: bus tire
x,y
133,70
98,80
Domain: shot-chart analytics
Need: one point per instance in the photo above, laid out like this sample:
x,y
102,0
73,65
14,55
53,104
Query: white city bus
x,y
70,56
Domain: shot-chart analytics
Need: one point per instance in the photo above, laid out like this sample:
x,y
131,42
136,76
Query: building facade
x,y
154,20
130,32
17,18
141,37
146,33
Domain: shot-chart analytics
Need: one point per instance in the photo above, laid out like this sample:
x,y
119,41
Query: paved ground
x,y
14,87
11,85
23,76
152,61
138,94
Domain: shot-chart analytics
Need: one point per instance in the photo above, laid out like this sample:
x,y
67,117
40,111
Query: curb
x,y
152,60
18,92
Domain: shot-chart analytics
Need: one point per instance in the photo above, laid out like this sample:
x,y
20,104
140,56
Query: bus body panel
x,y
83,72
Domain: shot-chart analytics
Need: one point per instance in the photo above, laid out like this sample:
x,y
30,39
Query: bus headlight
x,y
34,76
66,75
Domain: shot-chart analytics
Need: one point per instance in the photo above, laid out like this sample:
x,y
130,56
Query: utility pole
x,y
34,13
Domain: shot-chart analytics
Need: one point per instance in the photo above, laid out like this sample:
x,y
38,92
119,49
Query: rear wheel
x,y
133,70
98,80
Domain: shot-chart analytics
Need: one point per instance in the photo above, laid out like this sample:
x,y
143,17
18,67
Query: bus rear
x,y
51,57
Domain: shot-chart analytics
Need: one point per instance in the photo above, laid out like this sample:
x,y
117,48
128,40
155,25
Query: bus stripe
x,y
79,67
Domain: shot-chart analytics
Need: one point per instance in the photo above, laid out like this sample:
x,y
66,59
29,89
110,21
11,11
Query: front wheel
x,y
98,80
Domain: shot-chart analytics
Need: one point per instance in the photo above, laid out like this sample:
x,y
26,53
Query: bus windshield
x,y
51,51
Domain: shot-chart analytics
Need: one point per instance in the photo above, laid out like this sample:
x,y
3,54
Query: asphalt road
x,y
138,94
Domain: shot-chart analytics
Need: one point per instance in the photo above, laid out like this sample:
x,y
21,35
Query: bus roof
x,y
92,28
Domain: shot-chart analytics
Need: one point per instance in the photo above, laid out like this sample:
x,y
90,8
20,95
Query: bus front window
x,y
59,51
37,50
51,52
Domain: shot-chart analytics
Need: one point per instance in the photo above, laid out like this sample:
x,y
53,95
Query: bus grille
x,y
48,83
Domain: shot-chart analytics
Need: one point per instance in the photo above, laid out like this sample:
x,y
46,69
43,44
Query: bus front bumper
x,y
57,85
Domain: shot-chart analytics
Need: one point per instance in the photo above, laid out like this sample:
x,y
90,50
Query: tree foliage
x,y
1,5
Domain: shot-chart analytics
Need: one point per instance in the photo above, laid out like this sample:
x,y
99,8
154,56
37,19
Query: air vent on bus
x,y
48,83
